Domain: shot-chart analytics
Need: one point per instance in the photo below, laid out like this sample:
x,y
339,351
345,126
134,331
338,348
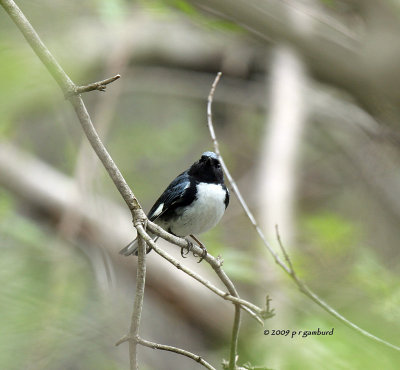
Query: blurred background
x,y
307,115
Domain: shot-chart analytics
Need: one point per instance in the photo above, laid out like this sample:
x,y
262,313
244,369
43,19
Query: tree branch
x,y
288,268
100,85
256,312
164,347
138,304
68,87
310,294
232,181
182,352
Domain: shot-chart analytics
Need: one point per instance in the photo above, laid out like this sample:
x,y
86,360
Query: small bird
x,y
193,202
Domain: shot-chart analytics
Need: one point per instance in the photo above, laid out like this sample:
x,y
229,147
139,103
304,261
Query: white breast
x,y
204,213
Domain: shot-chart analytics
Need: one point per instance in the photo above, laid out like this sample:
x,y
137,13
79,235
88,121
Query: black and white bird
x,y
193,202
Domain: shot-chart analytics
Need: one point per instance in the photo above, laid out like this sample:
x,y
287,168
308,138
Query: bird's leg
x,y
200,244
188,248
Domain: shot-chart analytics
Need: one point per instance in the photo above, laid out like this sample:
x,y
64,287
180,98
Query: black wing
x,y
172,197
226,196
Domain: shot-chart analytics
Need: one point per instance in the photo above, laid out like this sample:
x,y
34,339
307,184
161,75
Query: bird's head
x,y
207,169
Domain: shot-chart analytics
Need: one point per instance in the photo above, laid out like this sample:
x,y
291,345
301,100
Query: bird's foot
x,y
187,248
204,249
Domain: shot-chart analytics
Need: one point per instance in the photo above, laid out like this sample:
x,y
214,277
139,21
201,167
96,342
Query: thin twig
x,y
309,293
124,339
253,310
182,352
236,325
233,356
164,347
288,268
100,85
230,178
285,254
139,295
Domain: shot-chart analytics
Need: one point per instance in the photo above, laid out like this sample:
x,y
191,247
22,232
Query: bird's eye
x,y
218,165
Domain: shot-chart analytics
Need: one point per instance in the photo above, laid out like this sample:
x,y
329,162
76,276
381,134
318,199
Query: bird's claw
x,y
188,248
200,244
203,254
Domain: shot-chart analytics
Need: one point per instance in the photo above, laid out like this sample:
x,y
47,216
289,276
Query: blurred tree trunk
x,y
358,51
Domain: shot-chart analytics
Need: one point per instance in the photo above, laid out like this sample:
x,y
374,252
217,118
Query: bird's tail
x,y
132,247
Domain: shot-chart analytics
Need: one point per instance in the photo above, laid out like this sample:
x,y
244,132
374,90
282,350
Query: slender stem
x,y
288,268
183,352
309,293
236,321
164,347
231,288
230,178
138,304
100,85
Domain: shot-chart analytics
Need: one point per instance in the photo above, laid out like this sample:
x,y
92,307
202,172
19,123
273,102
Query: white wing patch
x,y
158,211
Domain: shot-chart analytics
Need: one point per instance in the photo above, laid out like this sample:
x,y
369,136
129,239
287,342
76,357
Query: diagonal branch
x,y
164,347
310,294
183,352
256,312
69,88
287,267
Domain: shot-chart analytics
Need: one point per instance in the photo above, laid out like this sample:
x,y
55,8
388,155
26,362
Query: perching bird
x,y
192,203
